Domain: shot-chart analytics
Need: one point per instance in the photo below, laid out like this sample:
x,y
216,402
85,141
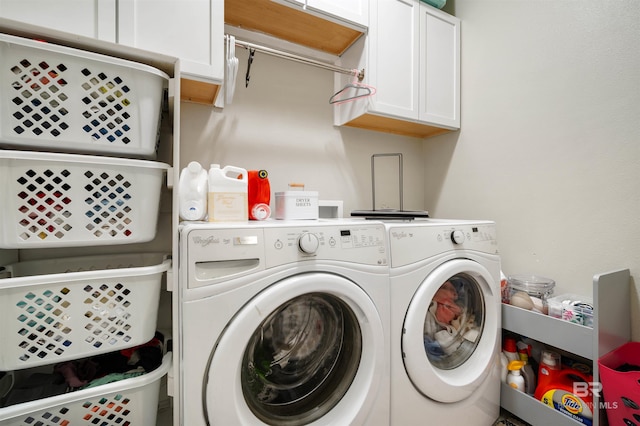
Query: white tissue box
x,y
297,205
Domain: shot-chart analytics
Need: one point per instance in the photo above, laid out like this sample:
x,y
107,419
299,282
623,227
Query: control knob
x,y
308,243
457,237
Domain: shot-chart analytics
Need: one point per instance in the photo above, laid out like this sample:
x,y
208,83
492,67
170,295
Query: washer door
x,y
451,331
294,354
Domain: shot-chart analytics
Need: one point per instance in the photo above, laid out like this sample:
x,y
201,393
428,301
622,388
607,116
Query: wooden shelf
x,y
290,24
396,126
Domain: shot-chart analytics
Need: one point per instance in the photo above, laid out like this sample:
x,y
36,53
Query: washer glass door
x,y
301,359
295,354
451,335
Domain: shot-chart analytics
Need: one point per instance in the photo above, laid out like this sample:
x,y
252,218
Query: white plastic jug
x,y
193,188
227,197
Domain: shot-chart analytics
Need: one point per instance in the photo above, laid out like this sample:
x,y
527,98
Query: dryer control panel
x,y
411,243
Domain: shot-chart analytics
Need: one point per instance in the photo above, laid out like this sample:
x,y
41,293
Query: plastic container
x,y
620,380
297,205
548,368
193,188
510,349
439,4
573,308
538,288
62,309
66,200
58,98
132,401
259,195
227,196
514,378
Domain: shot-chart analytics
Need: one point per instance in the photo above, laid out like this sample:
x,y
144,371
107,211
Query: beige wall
x,y
549,146
550,139
283,123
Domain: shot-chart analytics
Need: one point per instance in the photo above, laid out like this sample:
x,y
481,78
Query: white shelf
x,y
531,410
549,330
611,329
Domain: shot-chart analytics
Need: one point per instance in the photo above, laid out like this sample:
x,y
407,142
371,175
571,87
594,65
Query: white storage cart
x,y
57,98
67,200
67,117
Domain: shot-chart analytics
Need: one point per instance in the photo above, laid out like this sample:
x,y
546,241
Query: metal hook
x,y
250,60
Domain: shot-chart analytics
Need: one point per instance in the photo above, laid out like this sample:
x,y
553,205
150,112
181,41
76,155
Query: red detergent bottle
x,y
569,391
258,195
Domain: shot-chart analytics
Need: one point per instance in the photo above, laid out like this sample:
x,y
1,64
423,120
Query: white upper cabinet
x,y
439,67
354,12
393,57
90,18
412,57
192,30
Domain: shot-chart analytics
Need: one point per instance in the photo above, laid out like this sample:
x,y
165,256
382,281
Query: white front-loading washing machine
x,y
445,322
283,323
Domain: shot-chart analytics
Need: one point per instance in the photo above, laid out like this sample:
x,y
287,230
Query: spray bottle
x,y
514,378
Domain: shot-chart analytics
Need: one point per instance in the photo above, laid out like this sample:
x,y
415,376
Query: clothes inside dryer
x,y
454,322
301,360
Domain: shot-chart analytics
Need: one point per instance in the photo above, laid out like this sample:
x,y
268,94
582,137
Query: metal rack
x,y
297,58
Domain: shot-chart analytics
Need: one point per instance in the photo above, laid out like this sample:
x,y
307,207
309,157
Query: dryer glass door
x,y
454,322
451,327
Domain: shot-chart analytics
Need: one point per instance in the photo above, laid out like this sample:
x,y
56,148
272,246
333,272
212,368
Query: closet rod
x,y
297,58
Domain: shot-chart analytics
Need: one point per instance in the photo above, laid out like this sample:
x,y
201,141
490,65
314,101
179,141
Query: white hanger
x,y
360,90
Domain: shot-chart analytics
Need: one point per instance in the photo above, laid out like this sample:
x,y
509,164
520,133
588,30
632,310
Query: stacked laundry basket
x,y
79,134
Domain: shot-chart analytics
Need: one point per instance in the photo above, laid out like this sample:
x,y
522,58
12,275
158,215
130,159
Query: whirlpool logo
x,y
203,242
398,235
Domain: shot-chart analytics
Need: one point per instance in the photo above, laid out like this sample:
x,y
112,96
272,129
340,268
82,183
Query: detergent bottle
x,y
560,394
547,370
259,195
193,187
227,196
527,369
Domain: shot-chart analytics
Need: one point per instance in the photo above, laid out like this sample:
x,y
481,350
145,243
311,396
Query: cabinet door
x,y
356,11
89,18
192,30
393,57
341,11
439,67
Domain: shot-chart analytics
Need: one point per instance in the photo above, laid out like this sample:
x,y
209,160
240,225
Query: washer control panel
x,y
355,242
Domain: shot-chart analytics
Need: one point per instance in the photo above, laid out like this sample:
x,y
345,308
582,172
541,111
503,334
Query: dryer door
x,y
296,353
451,331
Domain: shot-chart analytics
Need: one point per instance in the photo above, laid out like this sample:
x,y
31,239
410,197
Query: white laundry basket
x,y
63,309
131,401
66,200
64,99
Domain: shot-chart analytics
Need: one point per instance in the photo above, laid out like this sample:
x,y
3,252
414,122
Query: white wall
x,y
550,139
283,123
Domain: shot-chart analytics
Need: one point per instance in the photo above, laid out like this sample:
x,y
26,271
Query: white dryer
x,y
283,323
445,322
